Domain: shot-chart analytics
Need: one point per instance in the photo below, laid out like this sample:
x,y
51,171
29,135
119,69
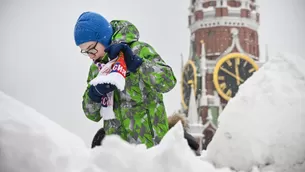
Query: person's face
x,y
93,49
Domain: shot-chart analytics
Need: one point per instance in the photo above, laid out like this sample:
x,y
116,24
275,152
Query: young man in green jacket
x,y
140,115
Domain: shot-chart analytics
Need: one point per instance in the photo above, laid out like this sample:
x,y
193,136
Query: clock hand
x,y
237,74
232,74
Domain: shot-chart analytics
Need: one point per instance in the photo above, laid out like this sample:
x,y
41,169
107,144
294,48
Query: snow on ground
x,y
264,125
261,129
30,142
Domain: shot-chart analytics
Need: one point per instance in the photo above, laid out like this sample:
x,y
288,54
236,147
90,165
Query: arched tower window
x,y
209,4
234,3
198,15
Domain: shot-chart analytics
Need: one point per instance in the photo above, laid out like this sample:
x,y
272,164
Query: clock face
x,y
232,71
189,82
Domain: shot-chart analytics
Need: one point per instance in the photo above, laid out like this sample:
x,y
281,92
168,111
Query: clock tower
x,y
224,53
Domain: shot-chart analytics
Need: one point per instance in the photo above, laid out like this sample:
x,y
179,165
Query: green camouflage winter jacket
x,y
139,108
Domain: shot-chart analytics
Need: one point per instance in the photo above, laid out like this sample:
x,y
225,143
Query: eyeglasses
x,y
92,51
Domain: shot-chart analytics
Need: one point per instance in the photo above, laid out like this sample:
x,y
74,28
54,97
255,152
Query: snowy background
x,y
41,66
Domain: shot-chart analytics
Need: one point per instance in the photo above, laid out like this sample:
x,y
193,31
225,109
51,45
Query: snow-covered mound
x,y
264,125
30,142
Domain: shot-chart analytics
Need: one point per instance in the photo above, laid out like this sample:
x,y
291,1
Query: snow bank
x,y
30,142
264,125
261,129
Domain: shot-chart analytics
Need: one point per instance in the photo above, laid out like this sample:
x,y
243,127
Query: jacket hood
x,y
124,31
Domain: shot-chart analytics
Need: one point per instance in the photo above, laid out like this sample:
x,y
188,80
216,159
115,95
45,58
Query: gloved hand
x,y
132,61
96,92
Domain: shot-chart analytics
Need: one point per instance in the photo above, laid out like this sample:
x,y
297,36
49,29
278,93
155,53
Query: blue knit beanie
x,y
91,26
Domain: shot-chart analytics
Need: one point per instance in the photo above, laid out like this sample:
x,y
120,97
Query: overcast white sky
x,y
41,66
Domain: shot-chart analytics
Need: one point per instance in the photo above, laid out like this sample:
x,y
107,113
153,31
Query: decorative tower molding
x,y
192,110
195,125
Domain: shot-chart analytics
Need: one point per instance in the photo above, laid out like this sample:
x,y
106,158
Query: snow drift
x,y
261,129
264,125
30,142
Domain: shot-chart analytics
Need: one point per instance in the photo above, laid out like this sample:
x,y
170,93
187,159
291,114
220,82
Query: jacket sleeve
x,y
154,71
91,108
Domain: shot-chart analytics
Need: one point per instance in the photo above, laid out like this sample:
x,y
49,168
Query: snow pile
x,y
261,129
172,155
264,125
30,142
